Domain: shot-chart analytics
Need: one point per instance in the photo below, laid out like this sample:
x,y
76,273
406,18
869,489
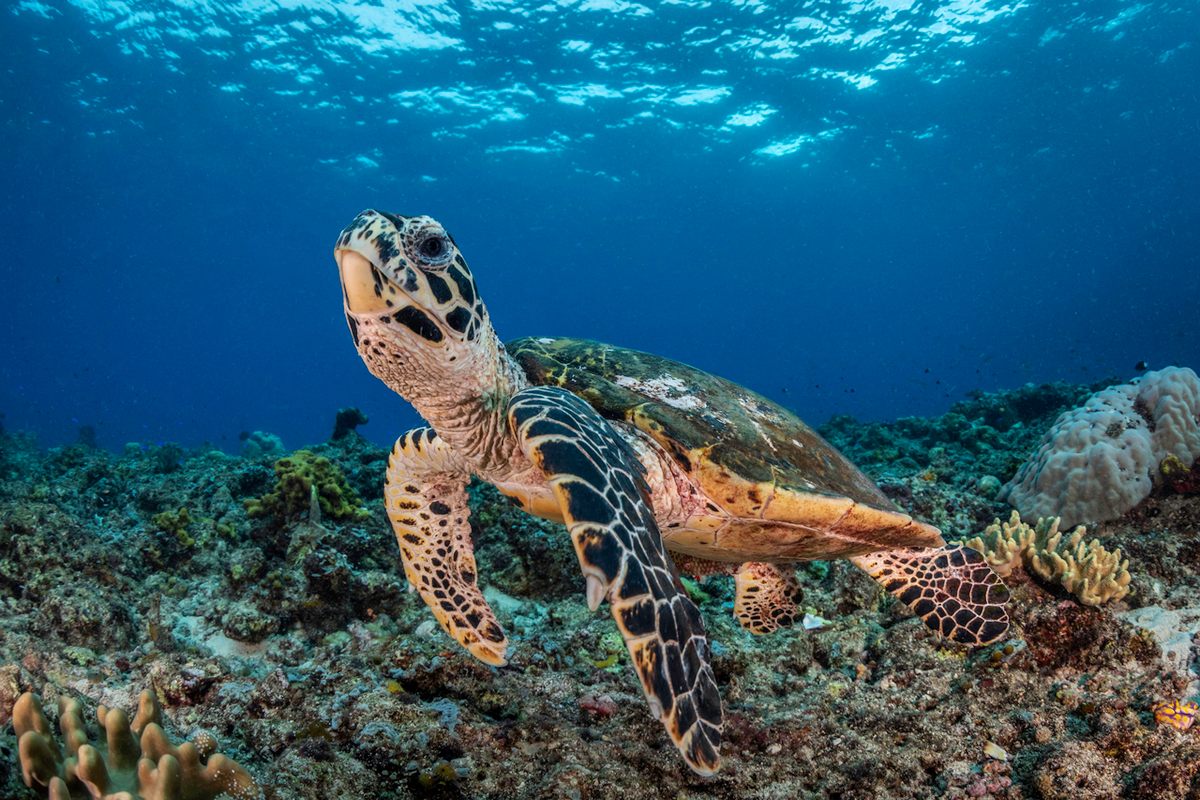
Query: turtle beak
x,y
361,283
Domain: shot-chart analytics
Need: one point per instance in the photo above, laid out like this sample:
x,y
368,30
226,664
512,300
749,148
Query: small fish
x,y
1141,366
1177,714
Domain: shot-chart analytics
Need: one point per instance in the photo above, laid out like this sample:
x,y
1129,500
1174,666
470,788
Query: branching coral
x,y
298,475
1081,566
123,767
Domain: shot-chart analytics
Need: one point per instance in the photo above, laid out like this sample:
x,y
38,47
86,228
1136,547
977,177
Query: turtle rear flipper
x,y
600,485
766,595
952,589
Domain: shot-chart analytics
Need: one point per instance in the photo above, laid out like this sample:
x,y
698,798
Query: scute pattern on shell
x,y
697,416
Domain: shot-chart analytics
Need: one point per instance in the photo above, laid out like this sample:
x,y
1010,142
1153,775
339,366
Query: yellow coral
x,y
176,523
123,766
1003,544
1173,467
303,477
1081,566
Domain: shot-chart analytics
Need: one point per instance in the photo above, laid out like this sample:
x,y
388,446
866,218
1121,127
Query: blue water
x,y
865,207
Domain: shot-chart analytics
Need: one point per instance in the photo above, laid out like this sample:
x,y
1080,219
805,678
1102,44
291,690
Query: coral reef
x,y
260,444
1081,566
1179,476
1176,631
135,760
291,636
1100,460
949,469
1077,770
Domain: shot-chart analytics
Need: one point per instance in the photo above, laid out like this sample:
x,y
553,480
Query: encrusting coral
x,y
299,476
1081,566
123,767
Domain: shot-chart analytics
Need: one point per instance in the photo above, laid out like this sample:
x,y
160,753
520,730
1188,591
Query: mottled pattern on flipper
x,y
600,483
427,504
765,596
952,589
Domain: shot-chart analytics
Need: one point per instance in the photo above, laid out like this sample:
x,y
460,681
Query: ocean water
x,y
866,207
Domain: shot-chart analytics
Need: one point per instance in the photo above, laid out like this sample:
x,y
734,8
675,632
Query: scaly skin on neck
x,y
461,392
471,414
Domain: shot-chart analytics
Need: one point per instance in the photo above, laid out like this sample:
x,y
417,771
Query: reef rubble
x,y
260,598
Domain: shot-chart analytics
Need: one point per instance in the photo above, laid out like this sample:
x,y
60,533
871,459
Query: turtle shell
x,y
749,454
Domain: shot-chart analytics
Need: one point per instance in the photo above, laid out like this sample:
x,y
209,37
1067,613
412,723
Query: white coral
x,y
1100,460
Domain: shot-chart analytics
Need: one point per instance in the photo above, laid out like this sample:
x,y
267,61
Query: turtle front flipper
x,y
952,589
601,487
427,503
765,596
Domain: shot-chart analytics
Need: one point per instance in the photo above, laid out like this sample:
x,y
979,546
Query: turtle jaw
x,y
361,284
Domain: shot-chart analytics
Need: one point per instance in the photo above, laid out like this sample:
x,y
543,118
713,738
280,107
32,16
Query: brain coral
x,y
1102,459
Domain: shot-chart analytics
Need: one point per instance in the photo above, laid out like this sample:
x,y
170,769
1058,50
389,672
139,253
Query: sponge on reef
x,y
1100,460
1083,567
124,766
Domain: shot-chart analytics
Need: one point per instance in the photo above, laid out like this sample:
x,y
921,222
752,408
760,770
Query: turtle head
x,y
407,273
410,300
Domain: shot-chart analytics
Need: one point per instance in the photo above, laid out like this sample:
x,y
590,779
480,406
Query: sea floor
x,y
295,642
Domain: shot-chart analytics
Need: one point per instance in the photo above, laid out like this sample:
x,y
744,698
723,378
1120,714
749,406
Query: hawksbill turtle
x,y
644,459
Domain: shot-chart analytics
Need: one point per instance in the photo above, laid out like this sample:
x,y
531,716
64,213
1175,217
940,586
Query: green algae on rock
x,y
300,477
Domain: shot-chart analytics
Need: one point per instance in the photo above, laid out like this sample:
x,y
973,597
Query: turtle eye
x,y
434,249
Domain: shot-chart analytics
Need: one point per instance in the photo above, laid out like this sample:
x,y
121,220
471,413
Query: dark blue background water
x,y
869,208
